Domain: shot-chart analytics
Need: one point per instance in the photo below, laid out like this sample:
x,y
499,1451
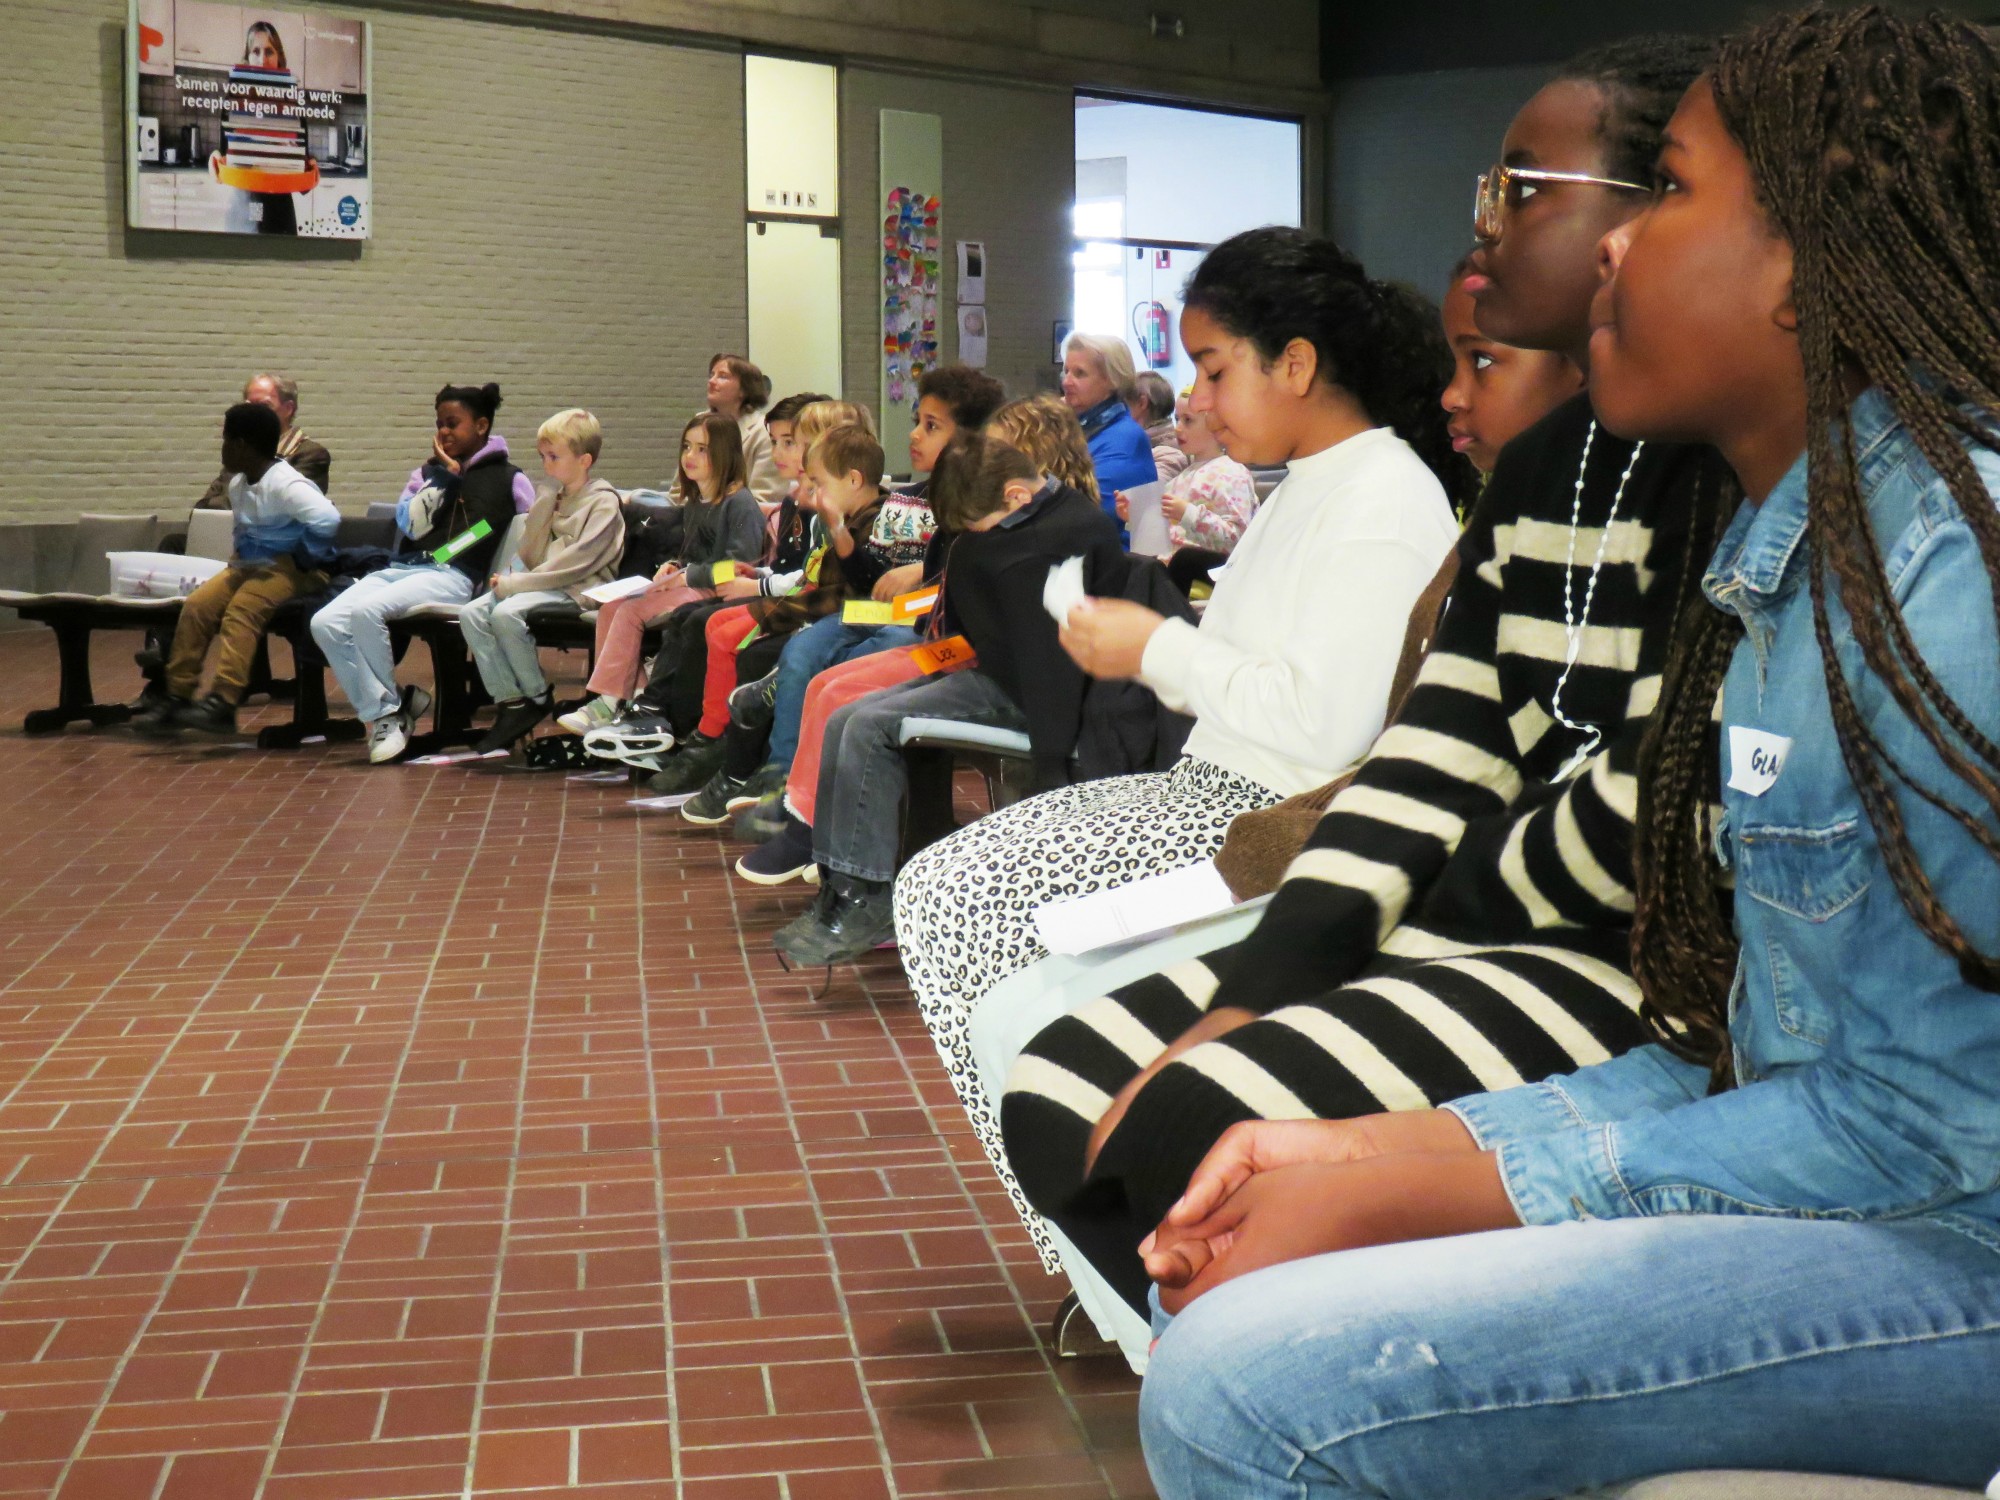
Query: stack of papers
x,y
1141,909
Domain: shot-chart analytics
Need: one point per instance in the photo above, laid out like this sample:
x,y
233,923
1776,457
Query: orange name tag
x,y
917,602
944,656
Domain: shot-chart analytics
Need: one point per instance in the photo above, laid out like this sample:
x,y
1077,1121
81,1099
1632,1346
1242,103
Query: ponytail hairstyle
x,y
1874,144
1048,432
480,400
725,459
1382,344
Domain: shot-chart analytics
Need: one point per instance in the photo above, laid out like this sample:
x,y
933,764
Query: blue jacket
x,y
1868,1068
1120,452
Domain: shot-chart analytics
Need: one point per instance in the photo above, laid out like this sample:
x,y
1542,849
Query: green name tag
x,y
479,532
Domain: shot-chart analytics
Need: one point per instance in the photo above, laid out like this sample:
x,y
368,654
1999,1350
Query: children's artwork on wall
x,y
911,281
246,121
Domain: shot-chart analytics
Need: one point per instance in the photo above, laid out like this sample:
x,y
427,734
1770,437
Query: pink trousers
x,y
621,635
834,688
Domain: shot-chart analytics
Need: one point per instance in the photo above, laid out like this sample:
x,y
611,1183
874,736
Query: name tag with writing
x,y
944,656
1755,759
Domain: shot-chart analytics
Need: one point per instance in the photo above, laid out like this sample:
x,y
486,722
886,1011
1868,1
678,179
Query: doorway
x,y
1157,186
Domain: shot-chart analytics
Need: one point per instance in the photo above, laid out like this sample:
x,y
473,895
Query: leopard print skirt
x,y
965,906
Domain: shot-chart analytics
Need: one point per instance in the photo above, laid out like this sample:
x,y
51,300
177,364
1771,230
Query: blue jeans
x,y
862,777
352,629
503,647
822,644
1531,1363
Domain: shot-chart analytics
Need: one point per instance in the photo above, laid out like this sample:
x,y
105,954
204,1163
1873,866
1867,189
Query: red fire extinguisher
x,y
1152,326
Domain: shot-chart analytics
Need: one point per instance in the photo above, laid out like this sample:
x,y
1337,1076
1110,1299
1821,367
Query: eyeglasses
x,y
1496,193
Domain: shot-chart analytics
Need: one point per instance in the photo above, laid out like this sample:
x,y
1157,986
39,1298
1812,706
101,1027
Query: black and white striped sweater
x,y
1455,833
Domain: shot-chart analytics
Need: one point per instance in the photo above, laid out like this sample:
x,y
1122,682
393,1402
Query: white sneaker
x,y
595,714
387,739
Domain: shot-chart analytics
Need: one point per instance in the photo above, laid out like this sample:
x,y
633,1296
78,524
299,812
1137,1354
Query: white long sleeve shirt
x,y
1288,674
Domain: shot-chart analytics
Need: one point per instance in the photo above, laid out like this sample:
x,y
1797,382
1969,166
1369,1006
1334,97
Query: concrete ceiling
x,y
1365,38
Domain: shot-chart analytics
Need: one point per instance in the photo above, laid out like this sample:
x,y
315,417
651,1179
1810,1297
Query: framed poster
x,y
243,119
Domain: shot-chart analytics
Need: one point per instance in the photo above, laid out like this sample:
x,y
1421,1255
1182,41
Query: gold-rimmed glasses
x,y
1497,192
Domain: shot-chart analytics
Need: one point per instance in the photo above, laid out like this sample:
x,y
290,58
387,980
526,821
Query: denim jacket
x,y
1868,1068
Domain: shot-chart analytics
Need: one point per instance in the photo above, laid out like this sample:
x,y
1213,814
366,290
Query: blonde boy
x,y
572,540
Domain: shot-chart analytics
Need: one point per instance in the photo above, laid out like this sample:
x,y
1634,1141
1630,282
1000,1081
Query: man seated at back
x,y
281,394
284,532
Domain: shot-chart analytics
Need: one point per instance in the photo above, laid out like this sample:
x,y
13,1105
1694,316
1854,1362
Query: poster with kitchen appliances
x,y
247,120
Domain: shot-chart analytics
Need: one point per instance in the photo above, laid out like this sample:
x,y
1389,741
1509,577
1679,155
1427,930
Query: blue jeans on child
x,y
352,629
822,644
1531,1363
496,633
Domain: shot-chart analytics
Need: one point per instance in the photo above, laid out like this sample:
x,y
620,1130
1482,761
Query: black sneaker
x,y
860,917
787,857
755,704
763,819
160,715
697,759
515,720
714,802
213,715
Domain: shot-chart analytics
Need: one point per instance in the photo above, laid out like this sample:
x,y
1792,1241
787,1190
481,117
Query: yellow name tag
x,y
867,612
945,656
723,572
917,602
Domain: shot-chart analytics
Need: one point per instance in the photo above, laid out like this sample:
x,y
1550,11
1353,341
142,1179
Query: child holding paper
x,y
454,511
994,659
574,538
722,529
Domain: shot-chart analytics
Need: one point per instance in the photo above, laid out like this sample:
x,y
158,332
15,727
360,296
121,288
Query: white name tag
x,y
1755,759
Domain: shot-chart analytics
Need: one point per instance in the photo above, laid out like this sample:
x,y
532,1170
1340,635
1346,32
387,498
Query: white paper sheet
x,y
972,274
1132,911
618,588
1063,591
663,804
1146,521
601,778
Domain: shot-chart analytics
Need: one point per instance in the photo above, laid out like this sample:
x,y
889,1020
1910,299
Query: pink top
x,y
1221,497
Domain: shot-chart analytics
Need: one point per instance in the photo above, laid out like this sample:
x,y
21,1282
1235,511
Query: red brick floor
x,y
401,1132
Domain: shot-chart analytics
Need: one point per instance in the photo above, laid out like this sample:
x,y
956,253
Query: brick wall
x,y
1009,175
556,210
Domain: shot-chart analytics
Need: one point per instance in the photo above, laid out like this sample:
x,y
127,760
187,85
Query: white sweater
x,y
1288,673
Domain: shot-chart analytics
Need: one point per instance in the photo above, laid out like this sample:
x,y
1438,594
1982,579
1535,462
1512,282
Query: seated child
x,y
1766,1240
662,722
1207,505
1011,524
284,531
574,538
721,524
845,493
1046,430
764,736
466,483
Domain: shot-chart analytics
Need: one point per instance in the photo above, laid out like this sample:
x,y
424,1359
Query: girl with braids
x,y
1300,359
1780,1221
1460,917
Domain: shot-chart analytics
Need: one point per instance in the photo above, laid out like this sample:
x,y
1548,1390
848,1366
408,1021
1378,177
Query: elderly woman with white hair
x,y
1098,384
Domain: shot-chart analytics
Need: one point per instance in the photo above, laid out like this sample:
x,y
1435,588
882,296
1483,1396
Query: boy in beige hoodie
x,y
572,540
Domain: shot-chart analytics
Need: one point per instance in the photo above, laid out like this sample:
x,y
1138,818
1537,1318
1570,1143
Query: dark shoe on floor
x,y
787,856
713,803
160,714
213,715
763,819
697,759
755,704
151,659
859,918
514,722
416,703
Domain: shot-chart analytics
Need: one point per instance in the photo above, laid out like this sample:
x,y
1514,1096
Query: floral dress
x,y
1221,497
